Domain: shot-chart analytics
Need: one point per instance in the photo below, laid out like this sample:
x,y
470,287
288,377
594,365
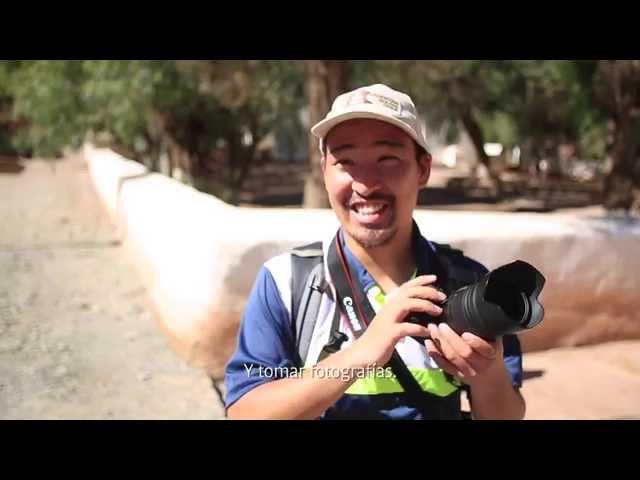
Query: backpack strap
x,y
457,269
307,287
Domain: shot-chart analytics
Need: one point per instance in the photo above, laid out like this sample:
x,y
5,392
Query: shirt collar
x,y
366,281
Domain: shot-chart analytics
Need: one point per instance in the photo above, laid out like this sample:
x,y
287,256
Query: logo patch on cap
x,y
365,96
391,104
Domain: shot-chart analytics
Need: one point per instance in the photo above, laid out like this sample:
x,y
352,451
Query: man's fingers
x,y
477,361
486,349
437,357
433,330
420,305
451,353
462,348
420,281
435,352
427,293
411,330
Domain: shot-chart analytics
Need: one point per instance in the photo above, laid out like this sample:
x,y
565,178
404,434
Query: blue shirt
x,y
265,349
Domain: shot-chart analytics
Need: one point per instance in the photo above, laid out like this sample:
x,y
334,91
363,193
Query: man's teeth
x,y
370,208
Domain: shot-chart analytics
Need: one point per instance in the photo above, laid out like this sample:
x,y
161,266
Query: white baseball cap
x,y
378,102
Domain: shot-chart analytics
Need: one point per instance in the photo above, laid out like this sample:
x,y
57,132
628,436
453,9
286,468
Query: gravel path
x,y
77,340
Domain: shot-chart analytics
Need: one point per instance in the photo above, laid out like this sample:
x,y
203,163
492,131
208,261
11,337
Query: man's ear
x,y
424,165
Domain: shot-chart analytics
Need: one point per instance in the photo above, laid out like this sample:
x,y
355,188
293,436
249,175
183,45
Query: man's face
x,y
373,175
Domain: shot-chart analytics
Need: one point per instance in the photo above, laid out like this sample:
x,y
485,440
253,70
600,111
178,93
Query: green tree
x,y
617,89
254,98
553,104
451,92
183,111
46,98
537,104
8,124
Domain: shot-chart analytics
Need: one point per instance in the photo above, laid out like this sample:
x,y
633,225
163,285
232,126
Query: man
x,y
375,160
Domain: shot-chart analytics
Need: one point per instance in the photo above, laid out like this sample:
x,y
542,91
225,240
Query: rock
x,y
144,376
10,344
8,314
136,310
33,297
131,336
135,293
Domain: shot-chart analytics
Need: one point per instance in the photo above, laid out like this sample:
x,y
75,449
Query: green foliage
x,y
64,101
514,102
200,102
47,94
192,107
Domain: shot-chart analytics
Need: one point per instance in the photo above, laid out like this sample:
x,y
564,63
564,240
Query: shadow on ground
x,y
529,374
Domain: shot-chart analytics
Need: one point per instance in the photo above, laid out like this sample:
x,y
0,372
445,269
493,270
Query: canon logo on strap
x,y
348,305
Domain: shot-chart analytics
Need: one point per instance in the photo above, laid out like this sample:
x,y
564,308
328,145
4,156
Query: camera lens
x,y
513,302
504,301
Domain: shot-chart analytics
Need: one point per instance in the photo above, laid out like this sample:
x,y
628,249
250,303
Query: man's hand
x,y
480,365
376,344
465,356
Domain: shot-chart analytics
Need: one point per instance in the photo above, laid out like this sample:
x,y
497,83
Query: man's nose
x,y
366,182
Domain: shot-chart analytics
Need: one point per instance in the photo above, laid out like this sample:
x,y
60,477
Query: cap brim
x,y
322,128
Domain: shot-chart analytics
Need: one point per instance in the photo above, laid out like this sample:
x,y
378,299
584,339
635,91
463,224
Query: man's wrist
x,y
349,362
495,375
356,357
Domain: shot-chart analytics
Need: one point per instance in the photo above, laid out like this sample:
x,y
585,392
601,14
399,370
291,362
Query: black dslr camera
x,y
504,301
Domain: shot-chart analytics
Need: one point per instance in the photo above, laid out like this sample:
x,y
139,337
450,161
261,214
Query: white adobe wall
x,y
198,257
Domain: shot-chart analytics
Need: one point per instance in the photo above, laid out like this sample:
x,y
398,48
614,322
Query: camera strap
x,y
354,304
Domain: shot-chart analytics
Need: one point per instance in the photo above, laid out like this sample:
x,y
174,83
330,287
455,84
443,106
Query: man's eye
x,y
389,159
343,162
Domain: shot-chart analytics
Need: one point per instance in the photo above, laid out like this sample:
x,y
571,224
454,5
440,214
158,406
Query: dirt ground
x,y
77,340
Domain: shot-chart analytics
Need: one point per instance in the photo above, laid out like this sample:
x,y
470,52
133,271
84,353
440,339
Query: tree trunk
x,y
619,184
156,138
185,164
477,138
326,79
241,158
624,102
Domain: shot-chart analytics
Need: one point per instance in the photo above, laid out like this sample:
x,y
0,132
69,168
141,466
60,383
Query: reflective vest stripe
x,y
432,381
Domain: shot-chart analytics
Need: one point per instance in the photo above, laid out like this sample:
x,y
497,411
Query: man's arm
x,y
265,342
308,396
480,365
496,398
303,397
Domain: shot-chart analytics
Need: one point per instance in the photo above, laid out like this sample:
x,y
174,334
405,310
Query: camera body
x,y
504,301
